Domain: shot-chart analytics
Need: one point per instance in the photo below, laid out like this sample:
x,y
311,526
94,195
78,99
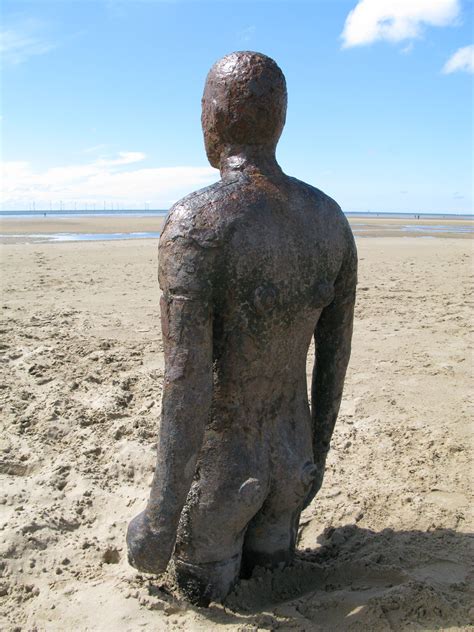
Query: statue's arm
x,y
333,337
186,319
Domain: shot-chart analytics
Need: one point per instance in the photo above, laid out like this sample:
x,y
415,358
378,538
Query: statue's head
x,y
243,105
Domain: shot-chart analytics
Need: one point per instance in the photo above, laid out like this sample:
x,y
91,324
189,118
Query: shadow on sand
x,y
358,579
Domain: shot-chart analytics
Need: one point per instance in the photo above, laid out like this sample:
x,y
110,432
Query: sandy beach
x,y
386,545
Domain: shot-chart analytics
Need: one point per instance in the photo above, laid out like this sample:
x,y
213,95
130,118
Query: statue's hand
x,y
148,550
317,476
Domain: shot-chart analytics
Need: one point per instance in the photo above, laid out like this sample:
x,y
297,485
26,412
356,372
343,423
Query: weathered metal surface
x,y
251,268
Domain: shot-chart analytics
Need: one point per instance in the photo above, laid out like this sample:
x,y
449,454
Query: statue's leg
x,y
206,581
229,490
270,539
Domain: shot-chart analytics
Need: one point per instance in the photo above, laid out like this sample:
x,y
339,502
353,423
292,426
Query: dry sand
x,y
385,546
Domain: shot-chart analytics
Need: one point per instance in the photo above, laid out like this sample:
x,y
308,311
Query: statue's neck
x,y
248,159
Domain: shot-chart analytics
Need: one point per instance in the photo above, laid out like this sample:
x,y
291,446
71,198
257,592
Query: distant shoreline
x,y
80,213
164,213
75,228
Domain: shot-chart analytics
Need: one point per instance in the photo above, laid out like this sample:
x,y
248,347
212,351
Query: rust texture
x,y
251,268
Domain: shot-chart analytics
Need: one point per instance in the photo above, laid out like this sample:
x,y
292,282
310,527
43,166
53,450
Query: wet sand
x,y
80,225
388,227
15,230
386,545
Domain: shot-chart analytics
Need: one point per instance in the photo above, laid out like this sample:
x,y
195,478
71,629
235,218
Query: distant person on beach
x,y
251,269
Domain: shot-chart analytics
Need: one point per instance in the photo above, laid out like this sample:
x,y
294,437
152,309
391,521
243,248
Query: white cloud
x,y
395,20
19,44
104,180
124,158
247,34
461,61
94,149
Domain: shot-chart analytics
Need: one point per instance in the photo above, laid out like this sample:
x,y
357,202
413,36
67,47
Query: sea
x,y
436,223
83,213
164,212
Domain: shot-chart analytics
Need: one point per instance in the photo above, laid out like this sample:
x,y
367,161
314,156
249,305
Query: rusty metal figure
x,y
251,268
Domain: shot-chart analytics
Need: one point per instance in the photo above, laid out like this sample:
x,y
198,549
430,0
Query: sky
x,y
101,99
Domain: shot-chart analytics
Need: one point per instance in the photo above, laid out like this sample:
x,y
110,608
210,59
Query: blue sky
x,y
101,99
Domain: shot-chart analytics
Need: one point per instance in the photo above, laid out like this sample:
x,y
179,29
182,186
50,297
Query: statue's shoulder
x,y
322,202
326,210
196,216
